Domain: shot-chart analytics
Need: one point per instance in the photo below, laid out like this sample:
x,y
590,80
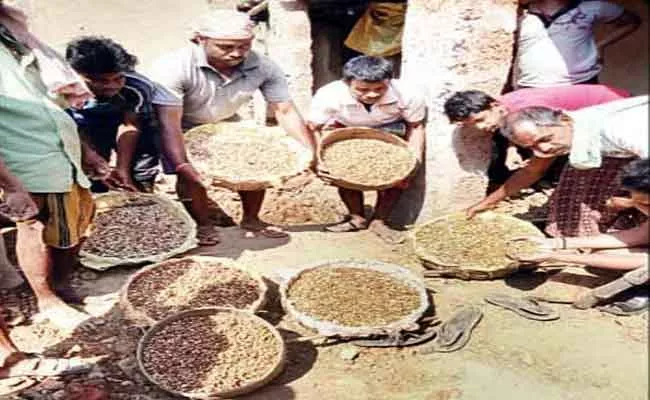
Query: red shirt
x,y
569,98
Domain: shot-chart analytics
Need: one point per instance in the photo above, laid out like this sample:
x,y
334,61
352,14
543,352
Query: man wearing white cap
x,y
213,77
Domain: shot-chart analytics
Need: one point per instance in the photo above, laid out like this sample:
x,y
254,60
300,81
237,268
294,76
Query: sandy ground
x,y
583,355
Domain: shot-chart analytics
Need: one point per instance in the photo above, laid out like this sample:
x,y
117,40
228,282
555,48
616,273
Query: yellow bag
x,y
379,30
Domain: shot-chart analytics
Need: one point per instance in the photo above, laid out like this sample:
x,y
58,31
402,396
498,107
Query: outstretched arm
x,y
291,121
521,179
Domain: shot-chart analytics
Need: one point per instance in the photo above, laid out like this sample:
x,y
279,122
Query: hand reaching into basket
x,y
532,249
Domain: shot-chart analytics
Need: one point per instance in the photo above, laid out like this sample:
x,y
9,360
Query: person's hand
x,y
514,161
120,179
542,243
17,205
475,209
543,249
324,174
95,167
617,203
538,257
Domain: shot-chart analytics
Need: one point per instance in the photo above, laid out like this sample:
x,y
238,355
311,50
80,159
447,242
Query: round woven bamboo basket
x,y
446,267
225,133
108,201
140,317
248,388
329,328
341,134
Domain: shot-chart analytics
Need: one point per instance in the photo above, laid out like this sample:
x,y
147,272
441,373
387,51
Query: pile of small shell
x,y
138,228
211,353
352,296
183,284
368,162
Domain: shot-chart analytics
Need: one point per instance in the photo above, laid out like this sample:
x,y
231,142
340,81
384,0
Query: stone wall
x,y
449,46
289,44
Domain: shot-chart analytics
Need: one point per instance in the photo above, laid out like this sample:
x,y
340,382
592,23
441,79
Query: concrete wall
x,y
626,62
449,46
289,44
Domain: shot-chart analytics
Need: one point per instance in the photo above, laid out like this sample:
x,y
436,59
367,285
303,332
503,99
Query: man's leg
x,y
195,199
252,204
35,259
7,347
353,200
63,263
386,200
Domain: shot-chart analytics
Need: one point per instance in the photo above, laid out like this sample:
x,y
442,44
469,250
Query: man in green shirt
x,y
42,186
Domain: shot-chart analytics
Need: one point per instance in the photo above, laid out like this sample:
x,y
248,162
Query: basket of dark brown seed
x,y
355,298
476,248
180,284
243,157
365,159
211,353
136,228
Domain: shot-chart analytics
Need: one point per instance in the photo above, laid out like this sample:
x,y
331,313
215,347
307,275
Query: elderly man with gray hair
x,y
212,77
599,140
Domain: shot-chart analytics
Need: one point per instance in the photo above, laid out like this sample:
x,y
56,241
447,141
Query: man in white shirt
x,y
368,96
602,138
556,44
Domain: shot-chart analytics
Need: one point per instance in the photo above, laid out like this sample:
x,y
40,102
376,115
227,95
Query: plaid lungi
x,y
577,206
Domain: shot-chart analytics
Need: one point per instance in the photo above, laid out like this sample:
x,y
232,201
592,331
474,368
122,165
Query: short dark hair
x,y
636,176
367,68
538,115
98,55
461,105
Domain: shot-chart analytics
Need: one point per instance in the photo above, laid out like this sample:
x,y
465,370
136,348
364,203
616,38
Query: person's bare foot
x,y
388,235
62,315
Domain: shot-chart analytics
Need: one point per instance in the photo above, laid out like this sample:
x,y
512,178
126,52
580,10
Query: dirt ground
x,y
583,355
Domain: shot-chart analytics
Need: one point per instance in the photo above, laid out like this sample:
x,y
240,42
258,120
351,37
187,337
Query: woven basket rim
x,y
303,157
428,260
347,133
141,317
94,261
250,387
329,328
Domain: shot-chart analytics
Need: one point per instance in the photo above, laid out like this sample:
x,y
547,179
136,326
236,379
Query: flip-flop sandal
x,y
455,333
631,304
403,339
41,367
207,235
345,226
271,232
526,307
9,386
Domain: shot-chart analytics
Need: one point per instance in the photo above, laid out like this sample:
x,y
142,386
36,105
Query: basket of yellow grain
x,y
244,157
478,248
365,158
354,298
